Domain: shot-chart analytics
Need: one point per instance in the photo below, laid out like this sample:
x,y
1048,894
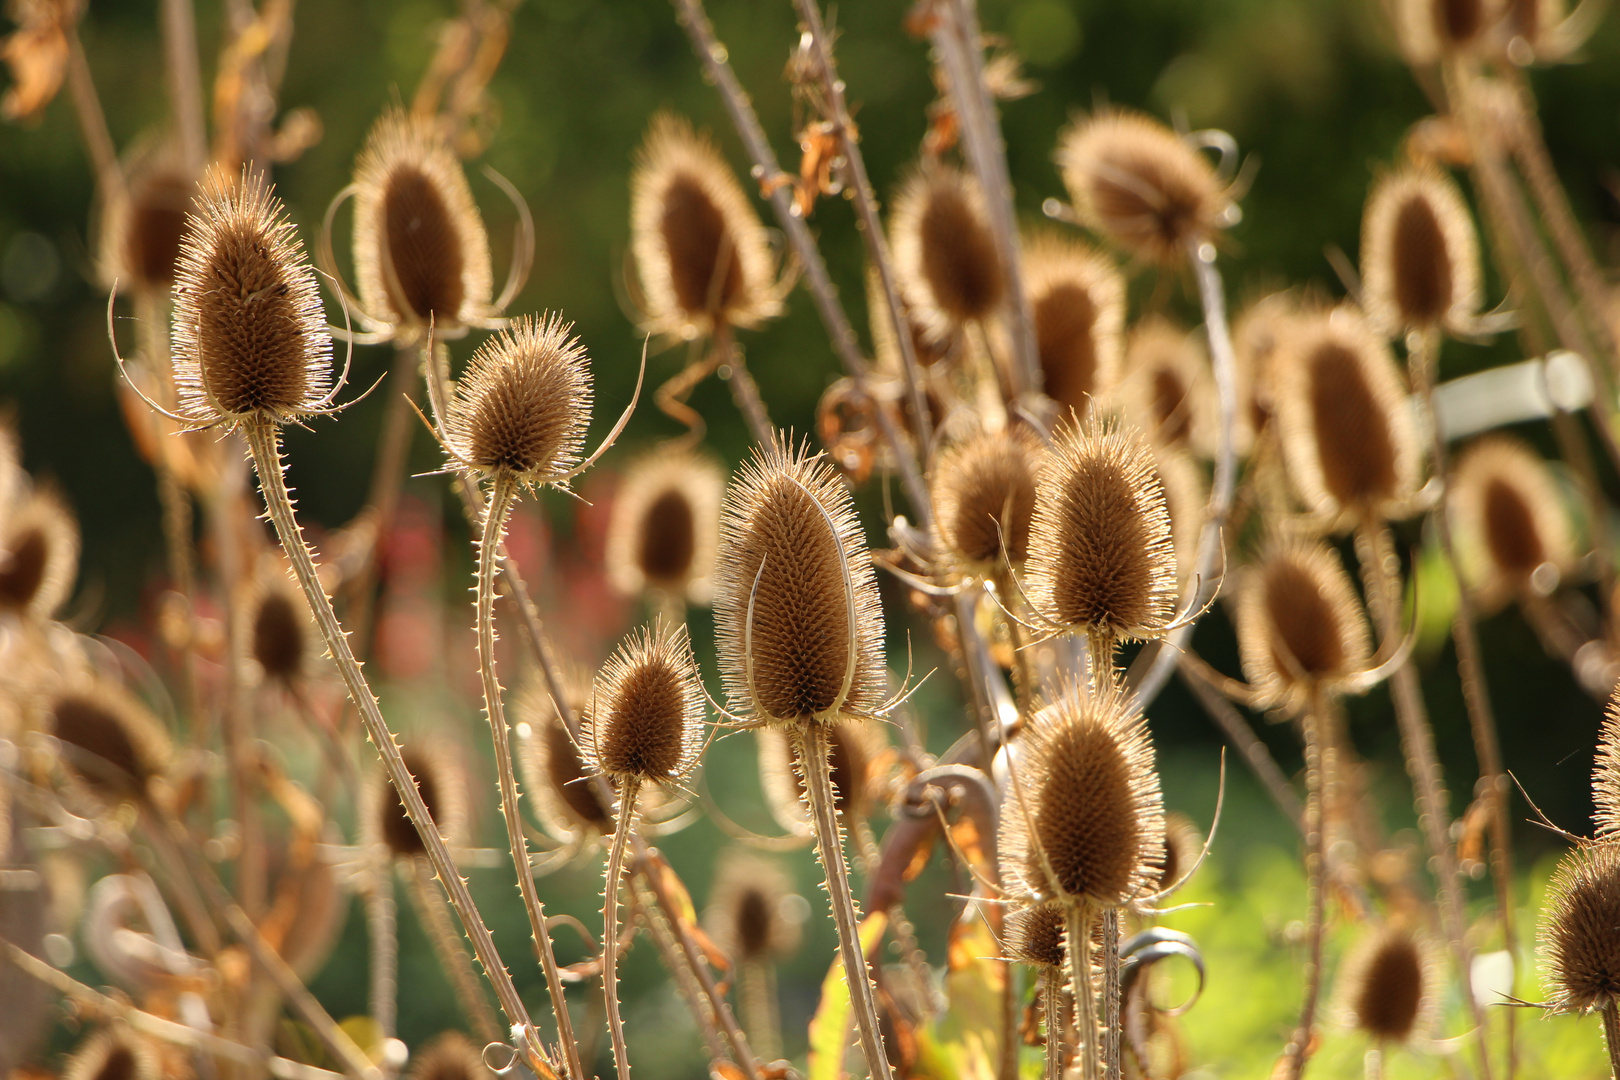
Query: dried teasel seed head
x,y
277,630
1077,299
1513,532
1101,554
984,495
702,256
1083,822
250,336
1430,29
1186,497
114,1053
799,626
1579,936
1348,434
421,253
944,252
752,909
39,556
1141,185
553,770
451,1056
143,228
112,746
1300,625
522,407
644,720
1167,389
1036,935
1419,254
665,525
853,750
1390,986
1182,845
441,781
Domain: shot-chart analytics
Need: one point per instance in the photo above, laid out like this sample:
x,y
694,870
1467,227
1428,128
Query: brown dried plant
x,y
1077,299
1419,255
1389,986
39,556
945,256
1513,533
665,525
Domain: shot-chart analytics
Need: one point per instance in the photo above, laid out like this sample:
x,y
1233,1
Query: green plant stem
x,y
1316,770
624,825
1085,997
452,956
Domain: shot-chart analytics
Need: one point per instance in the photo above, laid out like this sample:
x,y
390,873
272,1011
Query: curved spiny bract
x,y
1390,986
1579,937
644,719
983,491
1300,625
39,556
1186,499
1513,533
944,252
1419,254
1183,844
665,525
1077,299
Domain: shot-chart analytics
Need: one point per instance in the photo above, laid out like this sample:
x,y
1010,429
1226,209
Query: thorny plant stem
x,y
500,502
383,929
744,391
1112,1026
1085,997
452,956
264,444
811,748
624,825
185,82
1246,742
1052,1014
1316,770
1611,1037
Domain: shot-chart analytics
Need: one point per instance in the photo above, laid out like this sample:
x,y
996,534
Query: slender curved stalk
x,y
811,747
1085,997
452,956
744,391
383,929
185,81
92,120
1315,875
1372,1065
1611,1037
1245,741
624,825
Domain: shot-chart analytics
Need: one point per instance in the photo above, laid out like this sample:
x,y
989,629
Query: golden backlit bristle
x,y
1389,987
1186,498
944,251
702,256
983,491
853,748
1513,532
421,253
1579,936
114,1053
1036,935
1166,386
1141,185
450,1056
1077,299
1419,254
1606,773
748,915
644,720
1083,821
250,337
441,781
39,555
1183,843
1348,433
1300,624
1101,554
111,745
554,773
798,622
523,404
665,525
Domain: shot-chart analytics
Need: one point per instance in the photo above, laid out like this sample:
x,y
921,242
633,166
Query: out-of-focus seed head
x,y
522,407
553,770
276,628
944,252
1186,497
144,225
250,336
1580,930
799,626
1390,986
1348,434
1141,185
752,909
854,749
39,556
114,1053
1166,387
1182,845
1300,625
1101,557
665,525
1419,254
421,252
112,747
1513,532
451,1056
1430,29
1077,298
441,780
702,256
645,716
1036,935
1083,823
984,495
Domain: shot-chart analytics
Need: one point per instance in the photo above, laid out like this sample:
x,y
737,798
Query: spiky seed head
x,y
1389,988
250,336
751,909
799,627
1077,298
143,228
1141,185
702,256
1083,823
421,252
1101,557
114,1053
522,407
665,525
984,494
1166,387
553,770
1182,845
1186,497
451,1056
944,252
112,746
1348,434
1419,254
853,749
441,781
1580,930
644,720
1513,532
886,354
1036,935
1299,623
39,556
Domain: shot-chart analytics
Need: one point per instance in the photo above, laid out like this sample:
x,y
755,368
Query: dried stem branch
x,y
1246,742
1085,995
744,391
452,955
624,825
382,928
1316,770
1052,1014
1611,1037
98,140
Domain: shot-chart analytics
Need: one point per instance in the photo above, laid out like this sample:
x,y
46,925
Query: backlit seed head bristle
x,y
1579,937
451,1056
143,228
1606,773
1182,845
554,773
751,908
1186,497
1036,935
799,626
1419,254
1299,622
277,629
250,336
441,780
645,716
1101,556
886,355
1390,986
1083,822
39,556
1348,434
944,252
984,495
1430,29
1166,387
1077,298
421,252
1513,532
111,745
114,1053
1141,185
702,256
665,525
854,748
522,407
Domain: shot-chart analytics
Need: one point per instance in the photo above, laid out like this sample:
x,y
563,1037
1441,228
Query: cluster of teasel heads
x,y
1083,481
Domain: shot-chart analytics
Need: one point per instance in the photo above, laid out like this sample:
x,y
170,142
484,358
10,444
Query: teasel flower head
x,y
1419,254
1300,626
1166,387
644,720
1083,822
1183,844
984,496
421,253
854,749
752,909
1430,29
1579,936
1348,434
1101,559
554,772
944,252
1142,186
451,1056
1036,935
142,229
665,525
114,1053
276,629
1186,497
521,408
799,625
111,746
441,780
1077,299
39,555
249,333
1390,986
702,257
1513,531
